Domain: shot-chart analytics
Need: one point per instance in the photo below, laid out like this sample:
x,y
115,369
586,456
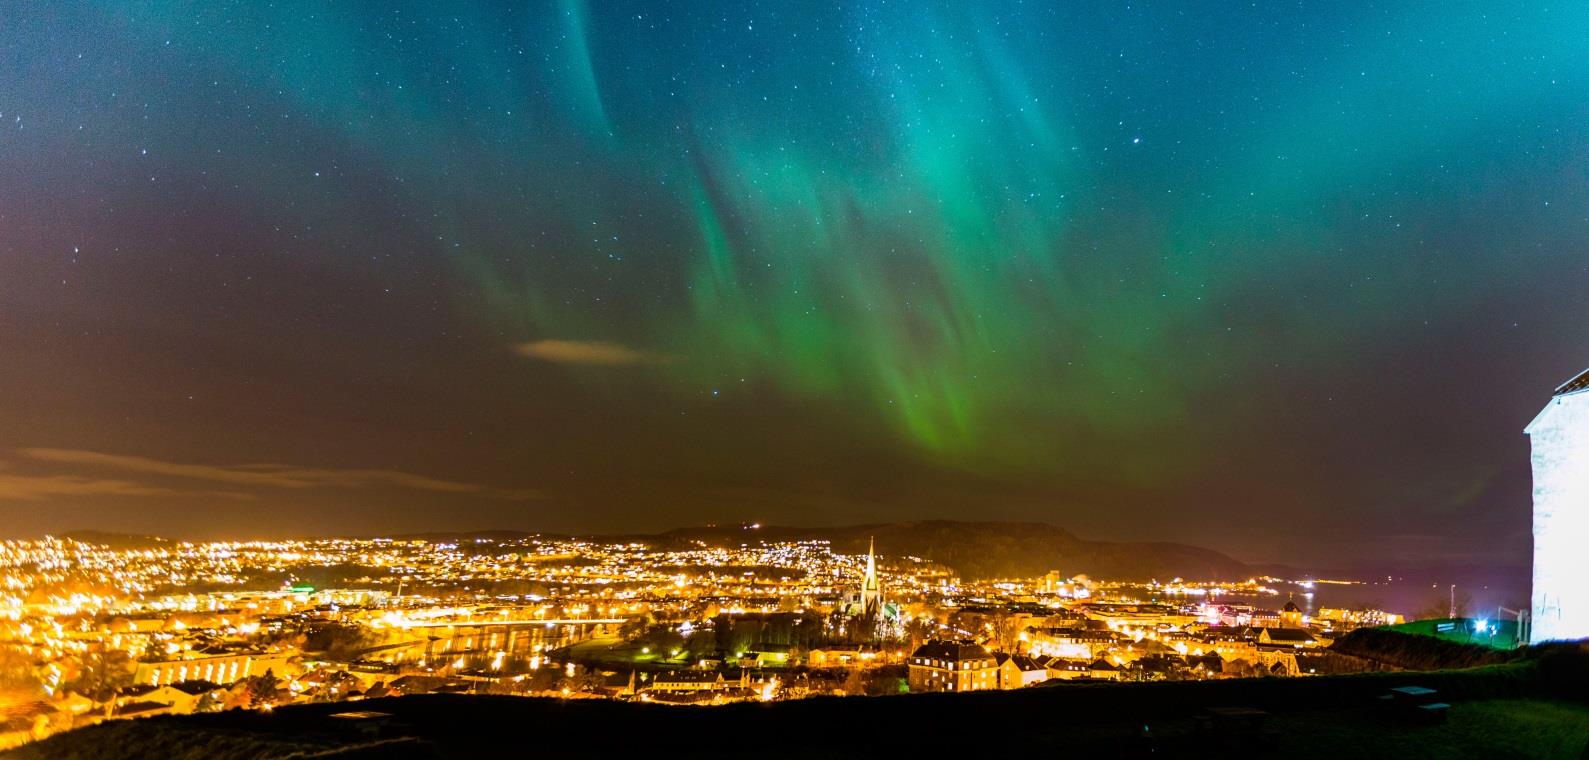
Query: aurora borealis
x,y
1284,280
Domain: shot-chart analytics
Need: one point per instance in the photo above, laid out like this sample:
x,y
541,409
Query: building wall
x,y
1012,677
920,678
1559,437
838,658
688,686
222,669
1287,661
1009,676
927,678
1230,650
1068,647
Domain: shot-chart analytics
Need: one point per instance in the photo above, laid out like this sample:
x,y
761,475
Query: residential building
x,y
1018,670
219,667
843,656
688,680
1295,638
952,666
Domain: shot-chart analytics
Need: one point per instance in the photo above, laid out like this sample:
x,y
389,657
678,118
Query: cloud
x,y
38,487
272,475
592,352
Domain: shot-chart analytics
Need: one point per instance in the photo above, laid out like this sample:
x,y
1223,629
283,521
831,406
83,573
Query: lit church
x,y
865,613
1559,437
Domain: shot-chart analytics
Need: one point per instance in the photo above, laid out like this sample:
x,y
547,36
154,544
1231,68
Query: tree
x,y
1240,669
732,636
101,674
337,686
208,703
17,673
262,689
919,630
1006,631
340,642
583,680
662,639
854,683
810,631
702,642
633,627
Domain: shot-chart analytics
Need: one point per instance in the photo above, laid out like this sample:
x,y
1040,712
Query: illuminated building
x,y
871,589
1285,637
952,666
689,680
1291,615
1018,670
842,656
218,668
1559,437
867,602
866,607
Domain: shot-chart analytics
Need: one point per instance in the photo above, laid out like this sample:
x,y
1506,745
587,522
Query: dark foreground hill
x,y
1537,706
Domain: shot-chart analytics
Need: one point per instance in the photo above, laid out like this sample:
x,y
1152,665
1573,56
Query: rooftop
x,y
1578,384
951,650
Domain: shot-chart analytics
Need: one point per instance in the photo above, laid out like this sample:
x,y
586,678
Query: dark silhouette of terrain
x,y
1308,717
974,550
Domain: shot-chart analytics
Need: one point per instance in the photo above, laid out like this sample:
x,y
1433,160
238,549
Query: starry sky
x,y
1286,280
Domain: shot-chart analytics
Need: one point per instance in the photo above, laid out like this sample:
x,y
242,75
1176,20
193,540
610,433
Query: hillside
x,y
999,549
118,541
974,550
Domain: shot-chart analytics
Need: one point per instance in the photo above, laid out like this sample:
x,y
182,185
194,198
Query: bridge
x,y
496,623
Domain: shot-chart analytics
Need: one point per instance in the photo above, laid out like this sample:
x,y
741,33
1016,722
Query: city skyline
x,y
1284,284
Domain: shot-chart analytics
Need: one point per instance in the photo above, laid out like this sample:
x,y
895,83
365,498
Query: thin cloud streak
x,y
589,352
40,487
273,475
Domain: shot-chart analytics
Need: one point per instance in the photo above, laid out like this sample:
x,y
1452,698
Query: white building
x,y
221,668
1560,440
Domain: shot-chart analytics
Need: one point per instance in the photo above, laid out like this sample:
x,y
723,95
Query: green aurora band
x,y
956,222
1030,241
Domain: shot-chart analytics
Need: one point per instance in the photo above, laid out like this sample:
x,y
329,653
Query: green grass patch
x,y
1499,728
1496,634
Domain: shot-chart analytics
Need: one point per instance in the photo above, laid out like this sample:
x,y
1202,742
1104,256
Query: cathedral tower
x,y
871,590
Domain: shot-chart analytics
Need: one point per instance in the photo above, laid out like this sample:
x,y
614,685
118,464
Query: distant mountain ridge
x,y
981,550
975,550
118,541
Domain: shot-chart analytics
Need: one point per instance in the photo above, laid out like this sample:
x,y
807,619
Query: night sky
x,y
1286,280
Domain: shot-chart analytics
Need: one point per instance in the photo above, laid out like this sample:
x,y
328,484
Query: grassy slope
x,y
1534,728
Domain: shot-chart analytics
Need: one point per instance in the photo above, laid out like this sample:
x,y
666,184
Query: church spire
x,y
871,591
